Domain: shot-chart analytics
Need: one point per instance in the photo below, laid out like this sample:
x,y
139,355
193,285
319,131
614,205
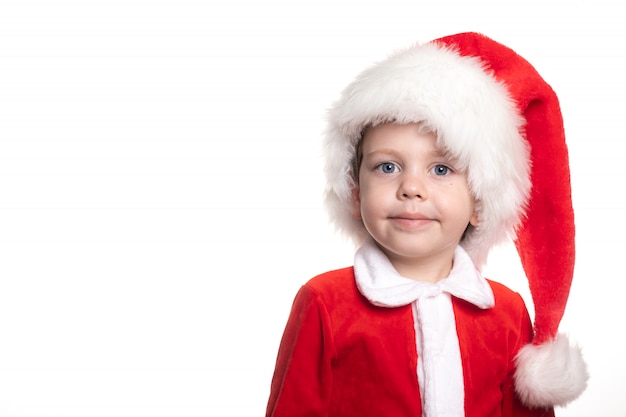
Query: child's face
x,y
411,198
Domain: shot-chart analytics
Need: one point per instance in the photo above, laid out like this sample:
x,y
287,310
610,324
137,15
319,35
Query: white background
x,y
160,187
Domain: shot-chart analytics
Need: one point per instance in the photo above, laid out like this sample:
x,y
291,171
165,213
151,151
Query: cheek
x,y
366,203
374,203
472,212
457,199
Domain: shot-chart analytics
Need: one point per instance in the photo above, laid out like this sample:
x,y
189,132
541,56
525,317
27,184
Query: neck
x,y
431,268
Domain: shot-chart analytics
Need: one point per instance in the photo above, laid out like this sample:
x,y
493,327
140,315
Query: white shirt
x,y
439,367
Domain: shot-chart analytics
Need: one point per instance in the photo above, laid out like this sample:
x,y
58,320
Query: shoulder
x,y
509,308
332,284
509,305
336,293
505,295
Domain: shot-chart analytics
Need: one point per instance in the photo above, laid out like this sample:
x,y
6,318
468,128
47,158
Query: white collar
x,y
382,285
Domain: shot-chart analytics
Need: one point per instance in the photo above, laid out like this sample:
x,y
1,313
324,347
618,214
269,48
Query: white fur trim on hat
x,y
553,373
471,113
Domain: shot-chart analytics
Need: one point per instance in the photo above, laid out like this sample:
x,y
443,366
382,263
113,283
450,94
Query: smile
x,y
411,221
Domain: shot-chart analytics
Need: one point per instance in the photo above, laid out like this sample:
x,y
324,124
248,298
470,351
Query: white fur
x,y
474,119
478,123
553,373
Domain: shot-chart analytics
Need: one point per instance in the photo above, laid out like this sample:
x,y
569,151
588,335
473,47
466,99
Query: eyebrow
x,y
435,153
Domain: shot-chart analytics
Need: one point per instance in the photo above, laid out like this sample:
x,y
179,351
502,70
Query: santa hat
x,y
492,111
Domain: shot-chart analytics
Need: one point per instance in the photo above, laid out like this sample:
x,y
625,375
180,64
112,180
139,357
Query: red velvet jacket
x,y
342,356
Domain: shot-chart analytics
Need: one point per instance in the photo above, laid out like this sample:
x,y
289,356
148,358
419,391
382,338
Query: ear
x,y
356,202
474,219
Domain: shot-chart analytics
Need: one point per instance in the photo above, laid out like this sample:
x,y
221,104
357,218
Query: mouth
x,y
411,220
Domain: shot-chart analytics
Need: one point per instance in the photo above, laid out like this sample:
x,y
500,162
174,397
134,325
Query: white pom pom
x,y
550,374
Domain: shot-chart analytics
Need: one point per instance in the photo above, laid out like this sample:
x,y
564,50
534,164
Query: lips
x,y
411,220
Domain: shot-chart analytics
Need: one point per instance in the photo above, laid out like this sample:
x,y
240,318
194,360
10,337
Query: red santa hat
x,y
492,111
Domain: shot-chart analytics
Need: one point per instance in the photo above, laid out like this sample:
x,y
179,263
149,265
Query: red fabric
x,y
545,241
342,356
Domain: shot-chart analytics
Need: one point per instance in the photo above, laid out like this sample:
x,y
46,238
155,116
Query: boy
x,y
434,156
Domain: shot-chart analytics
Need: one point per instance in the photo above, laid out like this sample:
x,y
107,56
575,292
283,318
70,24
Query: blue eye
x,y
387,168
440,170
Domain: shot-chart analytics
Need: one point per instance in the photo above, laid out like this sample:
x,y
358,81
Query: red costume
x,y
343,356
372,343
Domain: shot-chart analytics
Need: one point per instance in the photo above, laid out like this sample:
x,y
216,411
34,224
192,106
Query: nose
x,y
412,186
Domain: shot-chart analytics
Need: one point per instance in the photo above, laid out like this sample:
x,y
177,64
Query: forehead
x,y
392,137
